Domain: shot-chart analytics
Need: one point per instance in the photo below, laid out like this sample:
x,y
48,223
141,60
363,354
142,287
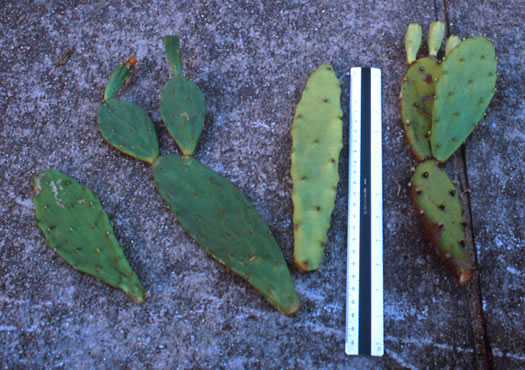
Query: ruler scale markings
x,y
352,281
364,300
376,216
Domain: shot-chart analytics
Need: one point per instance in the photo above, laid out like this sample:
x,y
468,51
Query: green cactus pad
x,y
182,108
451,43
119,77
78,230
172,47
224,222
417,98
412,41
463,92
436,33
129,129
438,205
317,132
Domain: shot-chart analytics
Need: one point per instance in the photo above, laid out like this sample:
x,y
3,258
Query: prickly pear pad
x,y
182,108
317,132
417,97
224,222
412,41
129,129
438,205
119,77
78,230
463,92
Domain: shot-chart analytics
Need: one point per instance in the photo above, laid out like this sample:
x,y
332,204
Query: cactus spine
x,y
210,208
78,230
441,103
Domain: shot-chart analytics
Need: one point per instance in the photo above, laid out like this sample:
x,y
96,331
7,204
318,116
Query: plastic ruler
x,y
364,287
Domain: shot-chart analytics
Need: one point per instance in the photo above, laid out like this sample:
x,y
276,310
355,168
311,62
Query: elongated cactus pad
x,y
412,41
317,140
417,98
451,43
182,108
438,205
463,92
436,32
78,230
224,222
129,129
172,47
119,77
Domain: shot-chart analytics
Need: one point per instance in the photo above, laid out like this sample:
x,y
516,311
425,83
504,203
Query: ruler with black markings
x,y
364,287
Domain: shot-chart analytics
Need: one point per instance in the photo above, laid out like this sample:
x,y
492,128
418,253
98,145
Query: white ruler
x,y
364,277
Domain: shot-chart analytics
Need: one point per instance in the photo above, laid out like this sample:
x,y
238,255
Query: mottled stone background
x,y
252,60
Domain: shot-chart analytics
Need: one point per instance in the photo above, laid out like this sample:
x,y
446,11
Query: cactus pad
x,y
78,230
412,41
119,77
438,205
172,47
463,92
182,108
451,43
224,222
129,129
436,32
317,140
417,98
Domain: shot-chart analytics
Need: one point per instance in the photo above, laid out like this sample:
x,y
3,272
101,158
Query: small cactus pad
x,y
436,32
78,230
317,132
172,47
224,222
412,41
451,43
182,108
417,97
119,77
438,205
463,92
129,129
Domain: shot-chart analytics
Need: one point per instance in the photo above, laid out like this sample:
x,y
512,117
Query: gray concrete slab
x,y
251,59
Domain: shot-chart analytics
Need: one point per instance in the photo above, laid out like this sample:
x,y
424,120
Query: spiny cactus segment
x,y
317,140
412,41
464,91
119,77
78,230
439,209
224,222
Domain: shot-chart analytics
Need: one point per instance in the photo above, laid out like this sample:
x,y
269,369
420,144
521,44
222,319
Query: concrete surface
x,y
251,59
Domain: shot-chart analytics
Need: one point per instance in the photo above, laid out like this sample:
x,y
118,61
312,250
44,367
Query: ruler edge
x,y
377,342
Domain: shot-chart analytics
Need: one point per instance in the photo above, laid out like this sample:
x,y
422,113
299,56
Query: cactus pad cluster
x,y
317,132
210,208
442,100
